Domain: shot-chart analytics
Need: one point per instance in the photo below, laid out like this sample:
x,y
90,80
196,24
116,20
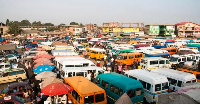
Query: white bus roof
x,y
75,61
82,68
97,49
154,58
175,74
70,58
148,76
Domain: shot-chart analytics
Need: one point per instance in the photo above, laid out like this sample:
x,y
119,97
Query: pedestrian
x,y
105,57
119,68
89,76
125,68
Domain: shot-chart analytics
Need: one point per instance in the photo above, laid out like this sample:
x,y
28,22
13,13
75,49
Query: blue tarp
x,y
43,68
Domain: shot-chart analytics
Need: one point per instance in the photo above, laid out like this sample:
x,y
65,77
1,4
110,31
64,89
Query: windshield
x,y
120,57
172,59
80,46
5,90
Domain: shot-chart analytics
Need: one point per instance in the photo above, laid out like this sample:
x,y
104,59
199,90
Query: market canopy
x,y
56,89
41,52
43,56
42,63
50,80
45,74
41,60
7,47
43,68
41,49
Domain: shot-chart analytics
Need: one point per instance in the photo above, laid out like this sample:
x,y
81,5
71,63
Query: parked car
x,y
32,45
12,99
18,75
17,89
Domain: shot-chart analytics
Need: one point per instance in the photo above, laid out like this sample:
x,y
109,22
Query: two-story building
x,y
187,29
68,29
3,29
160,30
116,29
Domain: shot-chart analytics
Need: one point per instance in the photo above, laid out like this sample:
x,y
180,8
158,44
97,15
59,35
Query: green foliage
x,y
36,23
73,23
25,23
52,29
14,28
48,24
81,25
7,22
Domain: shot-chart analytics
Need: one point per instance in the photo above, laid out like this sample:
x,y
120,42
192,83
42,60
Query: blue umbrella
x,y
43,68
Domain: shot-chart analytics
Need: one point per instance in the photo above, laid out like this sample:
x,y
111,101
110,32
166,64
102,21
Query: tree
x,y
14,28
25,23
7,22
73,23
81,25
52,29
48,24
36,23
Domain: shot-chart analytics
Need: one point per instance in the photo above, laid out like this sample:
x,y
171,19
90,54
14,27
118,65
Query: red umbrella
x,y
56,89
42,59
43,56
41,63
4,43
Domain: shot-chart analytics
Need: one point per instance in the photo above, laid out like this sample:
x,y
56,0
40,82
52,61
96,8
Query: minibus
x,y
153,83
170,50
116,85
154,62
129,58
175,78
85,92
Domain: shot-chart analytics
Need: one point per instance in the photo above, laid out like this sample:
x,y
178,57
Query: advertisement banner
x,y
153,30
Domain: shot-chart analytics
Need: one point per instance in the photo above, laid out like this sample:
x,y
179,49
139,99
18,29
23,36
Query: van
x,y
18,75
4,67
170,50
129,58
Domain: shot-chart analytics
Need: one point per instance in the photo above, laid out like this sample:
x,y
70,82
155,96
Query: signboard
x,y
7,98
153,30
116,29
105,29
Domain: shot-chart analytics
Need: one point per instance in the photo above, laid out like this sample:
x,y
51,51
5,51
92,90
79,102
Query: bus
x,y
176,78
170,50
116,85
154,63
97,53
153,83
129,58
196,73
85,92
80,71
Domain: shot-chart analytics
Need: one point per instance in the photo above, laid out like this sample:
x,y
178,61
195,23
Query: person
x,y
105,57
125,68
89,76
120,68
98,63
112,59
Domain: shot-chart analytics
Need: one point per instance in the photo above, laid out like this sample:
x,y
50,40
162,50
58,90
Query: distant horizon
x,y
101,11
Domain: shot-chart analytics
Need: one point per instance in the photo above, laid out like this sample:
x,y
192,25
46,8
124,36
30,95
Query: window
x,y
164,86
78,65
197,57
70,74
158,87
80,74
153,62
89,99
20,72
167,62
193,81
131,93
179,83
97,81
143,83
5,74
131,57
69,65
125,57
104,84
7,66
138,91
104,52
101,52
137,56
198,76
179,60
148,86
114,89
184,59
162,62
76,95
173,82
12,73
99,97
140,55
120,92
188,82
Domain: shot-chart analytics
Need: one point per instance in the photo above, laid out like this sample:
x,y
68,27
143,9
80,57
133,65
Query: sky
x,y
101,11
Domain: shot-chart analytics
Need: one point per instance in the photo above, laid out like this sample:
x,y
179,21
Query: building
x,y
68,29
187,29
3,29
39,28
160,30
91,28
116,29
78,30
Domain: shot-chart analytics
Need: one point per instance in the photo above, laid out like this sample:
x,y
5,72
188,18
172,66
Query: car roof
x,y
18,84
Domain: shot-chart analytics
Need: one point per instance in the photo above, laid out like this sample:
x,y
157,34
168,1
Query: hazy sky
x,y
99,11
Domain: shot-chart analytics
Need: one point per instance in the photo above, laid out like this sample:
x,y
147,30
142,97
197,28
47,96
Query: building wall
x,y
78,31
4,29
188,29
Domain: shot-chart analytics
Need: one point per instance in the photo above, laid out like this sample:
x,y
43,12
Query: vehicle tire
x,y
145,101
19,80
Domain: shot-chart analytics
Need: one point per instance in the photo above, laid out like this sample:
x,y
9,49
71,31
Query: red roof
x,y
181,23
